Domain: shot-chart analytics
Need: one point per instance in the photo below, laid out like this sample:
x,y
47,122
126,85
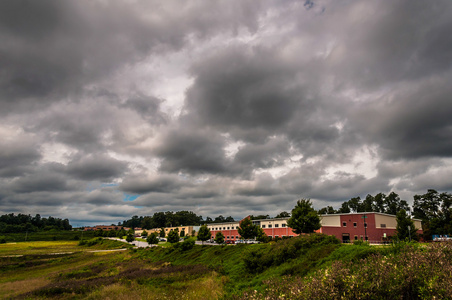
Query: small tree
x,y
204,234
152,239
182,233
305,218
219,238
261,236
144,233
405,226
173,236
247,229
162,232
130,238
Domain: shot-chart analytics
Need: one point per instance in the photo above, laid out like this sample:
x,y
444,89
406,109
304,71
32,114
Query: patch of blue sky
x,y
130,197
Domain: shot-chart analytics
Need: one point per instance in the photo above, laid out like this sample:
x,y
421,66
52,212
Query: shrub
x,y
187,245
412,273
2,240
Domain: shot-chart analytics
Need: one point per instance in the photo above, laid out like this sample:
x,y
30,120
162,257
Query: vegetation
x,y
152,239
247,229
204,233
219,238
311,266
173,236
11,223
304,218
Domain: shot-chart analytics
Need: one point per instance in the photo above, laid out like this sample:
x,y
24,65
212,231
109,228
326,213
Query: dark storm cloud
x,y
148,108
194,152
241,89
51,48
41,182
220,107
17,157
414,122
270,154
96,167
159,184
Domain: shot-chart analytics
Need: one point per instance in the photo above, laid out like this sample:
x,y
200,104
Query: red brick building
x,y
372,226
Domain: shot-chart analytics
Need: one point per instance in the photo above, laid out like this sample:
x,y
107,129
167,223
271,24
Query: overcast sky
x,y
111,109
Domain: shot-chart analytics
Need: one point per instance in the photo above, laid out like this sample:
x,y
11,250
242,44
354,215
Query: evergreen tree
x,y
173,236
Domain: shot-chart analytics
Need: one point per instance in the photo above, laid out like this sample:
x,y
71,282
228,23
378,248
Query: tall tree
x,y
204,234
305,218
405,226
247,229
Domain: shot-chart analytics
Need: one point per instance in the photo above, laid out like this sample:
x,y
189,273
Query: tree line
x,y
11,223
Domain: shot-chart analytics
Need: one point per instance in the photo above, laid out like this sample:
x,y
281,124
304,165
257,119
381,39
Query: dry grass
x,y
15,288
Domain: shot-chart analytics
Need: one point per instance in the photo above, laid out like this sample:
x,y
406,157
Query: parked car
x,y
162,239
230,242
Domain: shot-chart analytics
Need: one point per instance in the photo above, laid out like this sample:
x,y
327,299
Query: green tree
x,y
162,232
152,239
130,238
304,217
405,226
173,236
247,229
283,214
144,233
261,236
182,233
204,233
219,238
326,210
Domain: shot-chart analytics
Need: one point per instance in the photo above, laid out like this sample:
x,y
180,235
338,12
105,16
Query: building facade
x,y
372,226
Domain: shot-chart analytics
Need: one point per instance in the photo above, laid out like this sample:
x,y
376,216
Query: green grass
x,y
203,272
52,235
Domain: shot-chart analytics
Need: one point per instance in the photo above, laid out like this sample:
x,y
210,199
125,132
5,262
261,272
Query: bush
x,y
258,259
412,273
2,240
187,245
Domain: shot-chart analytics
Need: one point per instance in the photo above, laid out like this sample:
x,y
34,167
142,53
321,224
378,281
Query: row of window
x,y
344,224
276,225
237,227
237,237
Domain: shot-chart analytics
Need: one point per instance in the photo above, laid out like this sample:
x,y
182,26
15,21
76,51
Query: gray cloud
x,y
224,107
96,167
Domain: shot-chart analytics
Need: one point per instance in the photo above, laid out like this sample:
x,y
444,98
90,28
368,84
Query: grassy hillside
x,y
308,267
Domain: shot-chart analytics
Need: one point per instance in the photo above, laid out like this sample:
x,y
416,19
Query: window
x,y
228,228
354,224
236,236
365,225
227,237
367,238
263,226
283,225
383,225
216,228
224,228
356,237
269,225
236,227
276,225
344,224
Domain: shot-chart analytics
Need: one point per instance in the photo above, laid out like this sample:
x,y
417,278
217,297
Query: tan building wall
x,y
385,221
330,220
